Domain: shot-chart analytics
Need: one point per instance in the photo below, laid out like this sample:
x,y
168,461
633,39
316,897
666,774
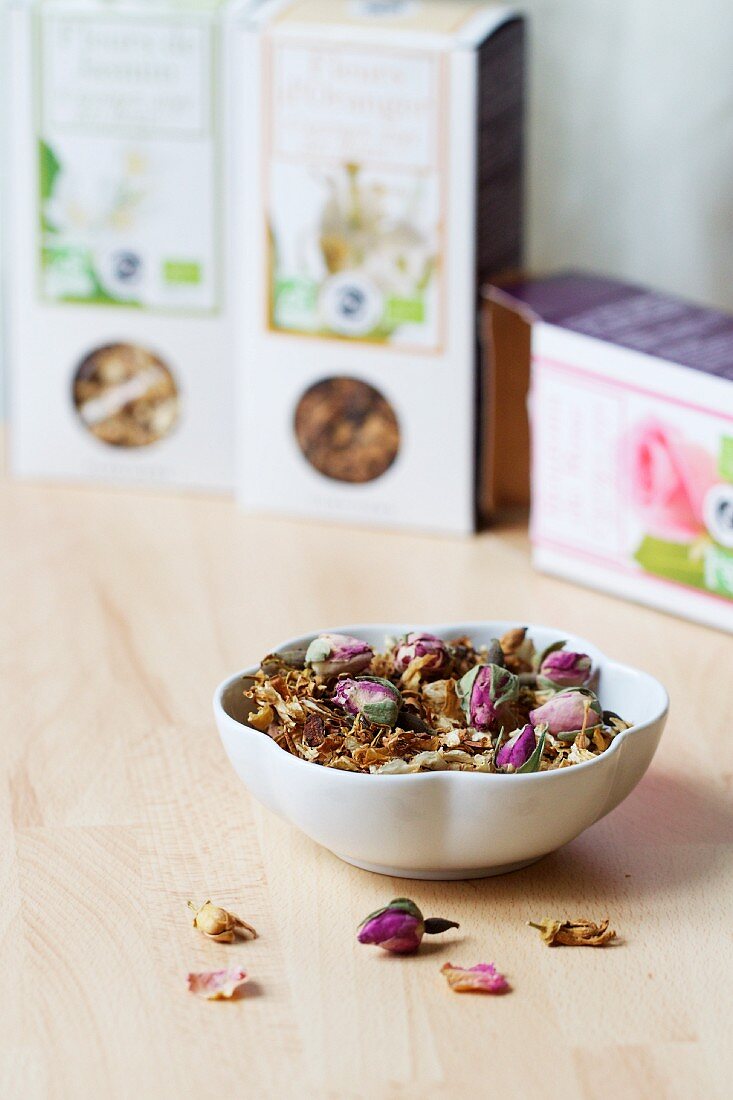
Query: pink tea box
x,y
631,424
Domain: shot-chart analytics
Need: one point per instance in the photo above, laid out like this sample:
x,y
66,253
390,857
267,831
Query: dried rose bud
x,y
399,927
574,933
568,711
219,924
486,693
481,978
376,699
421,645
518,749
564,669
330,654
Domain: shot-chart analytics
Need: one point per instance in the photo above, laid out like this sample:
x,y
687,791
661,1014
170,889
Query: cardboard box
x,y
504,452
631,411
379,164
119,342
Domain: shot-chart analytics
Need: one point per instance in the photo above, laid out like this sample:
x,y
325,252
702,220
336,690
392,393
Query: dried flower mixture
x,y
429,704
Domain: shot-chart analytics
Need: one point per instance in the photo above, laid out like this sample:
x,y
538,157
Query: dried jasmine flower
x,y
262,718
518,650
398,766
219,924
441,697
568,711
562,669
399,927
481,978
486,694
396,718
375,699
333,654
615,722
574,933
579,754
217,985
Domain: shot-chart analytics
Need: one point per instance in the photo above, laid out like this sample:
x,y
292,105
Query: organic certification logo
x,y
351,304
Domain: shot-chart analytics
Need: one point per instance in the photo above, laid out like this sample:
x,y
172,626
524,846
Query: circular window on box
x,y
347,430
125,395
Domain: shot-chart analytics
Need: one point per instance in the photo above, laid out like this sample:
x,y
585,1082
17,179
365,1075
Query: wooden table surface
x,y
120,613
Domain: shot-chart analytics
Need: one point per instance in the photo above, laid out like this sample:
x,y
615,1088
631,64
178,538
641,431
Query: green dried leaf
x,y
464,687
552,648
405,904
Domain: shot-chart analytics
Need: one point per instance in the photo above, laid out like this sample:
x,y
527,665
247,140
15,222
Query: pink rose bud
x,y
566,711
486,694
330,654
518,749
399,927
377,700
564,669
421,645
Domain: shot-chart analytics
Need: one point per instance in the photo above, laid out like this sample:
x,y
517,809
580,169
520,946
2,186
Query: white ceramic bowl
x,y
448,825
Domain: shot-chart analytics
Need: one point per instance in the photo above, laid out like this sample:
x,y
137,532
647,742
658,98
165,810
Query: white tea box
x,y
378,162
631,415
119,323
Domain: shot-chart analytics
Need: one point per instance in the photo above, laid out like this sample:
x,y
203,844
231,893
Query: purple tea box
x,y
631,415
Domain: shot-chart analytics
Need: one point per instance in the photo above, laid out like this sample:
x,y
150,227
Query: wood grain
x,y
120,612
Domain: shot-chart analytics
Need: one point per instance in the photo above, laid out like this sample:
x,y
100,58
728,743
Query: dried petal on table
x,y
219,924
481,978
574,933
217,985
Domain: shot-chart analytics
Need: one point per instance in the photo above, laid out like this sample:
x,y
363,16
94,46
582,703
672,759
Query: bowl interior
x,y
233,701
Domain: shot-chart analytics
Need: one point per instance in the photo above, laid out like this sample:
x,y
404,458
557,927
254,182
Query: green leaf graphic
x,y
672,560
48,169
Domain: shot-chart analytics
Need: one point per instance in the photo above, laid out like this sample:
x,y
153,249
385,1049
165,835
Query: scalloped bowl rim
x,y
397,629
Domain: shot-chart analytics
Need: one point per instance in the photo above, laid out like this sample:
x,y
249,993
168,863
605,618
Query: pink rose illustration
x,y
669,480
